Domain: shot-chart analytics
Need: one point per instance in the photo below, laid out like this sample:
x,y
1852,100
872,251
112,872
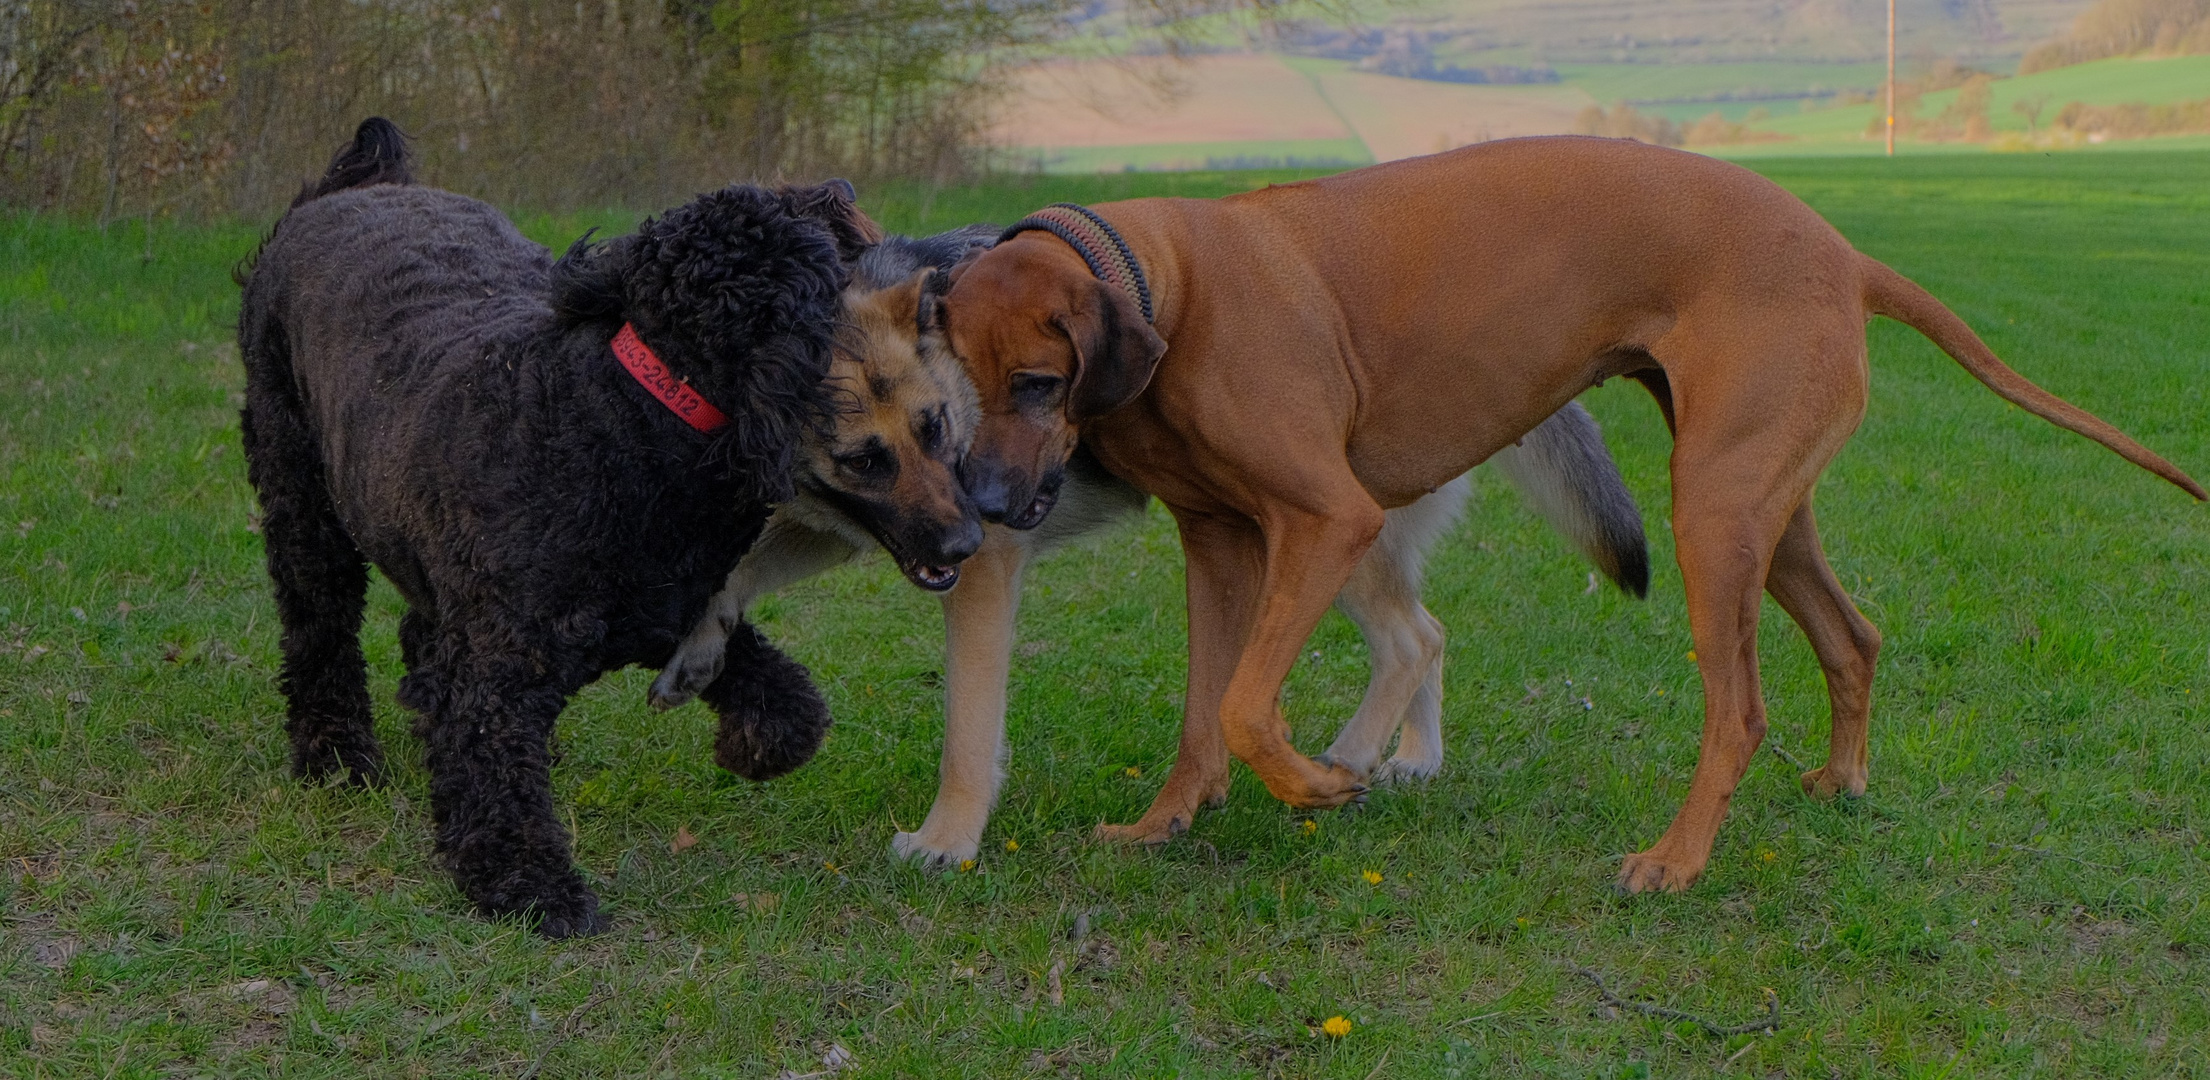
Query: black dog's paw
x,y
585,922
555,903
336,753
420,691
772,717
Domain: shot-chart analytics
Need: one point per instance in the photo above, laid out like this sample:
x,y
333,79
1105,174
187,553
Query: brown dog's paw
x,y
1147,832
1314,785
1650,871
1826,782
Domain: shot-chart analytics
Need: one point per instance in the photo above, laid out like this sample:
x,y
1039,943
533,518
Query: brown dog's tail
x,y
1897,297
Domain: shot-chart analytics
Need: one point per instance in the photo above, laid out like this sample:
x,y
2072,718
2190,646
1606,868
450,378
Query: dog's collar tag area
x,y
1109,258
646,367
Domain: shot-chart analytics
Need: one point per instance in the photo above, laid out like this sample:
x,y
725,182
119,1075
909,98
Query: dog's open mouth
x,y
932,578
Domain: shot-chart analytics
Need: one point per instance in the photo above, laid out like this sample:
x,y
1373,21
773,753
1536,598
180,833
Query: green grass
x,y
2022,893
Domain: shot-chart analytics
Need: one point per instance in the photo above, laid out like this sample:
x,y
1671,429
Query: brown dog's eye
x,y
1037,391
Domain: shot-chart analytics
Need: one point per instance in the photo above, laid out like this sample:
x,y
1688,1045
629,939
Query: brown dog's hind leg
x,y
1846,644
1224,558
1723,561
1769,411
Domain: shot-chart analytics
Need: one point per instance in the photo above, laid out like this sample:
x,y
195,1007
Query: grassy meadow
x,y
2022,893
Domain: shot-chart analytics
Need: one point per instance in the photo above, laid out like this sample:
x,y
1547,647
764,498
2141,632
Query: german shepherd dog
x,y
886,475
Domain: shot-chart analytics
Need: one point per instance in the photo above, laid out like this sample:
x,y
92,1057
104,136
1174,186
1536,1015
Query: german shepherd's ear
x,y
928,312
835,203
1116,353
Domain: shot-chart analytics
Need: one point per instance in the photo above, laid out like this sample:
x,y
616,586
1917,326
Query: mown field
x,y
2021,893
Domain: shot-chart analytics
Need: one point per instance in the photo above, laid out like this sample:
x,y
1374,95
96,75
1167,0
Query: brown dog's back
x,y
1548,265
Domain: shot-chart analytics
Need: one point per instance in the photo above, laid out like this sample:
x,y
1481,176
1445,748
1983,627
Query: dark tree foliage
x,y
150,107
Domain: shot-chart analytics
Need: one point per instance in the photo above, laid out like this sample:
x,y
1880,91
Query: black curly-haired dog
x,y
430,392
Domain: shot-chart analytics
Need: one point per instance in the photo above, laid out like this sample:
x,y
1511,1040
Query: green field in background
x,y
1198,157
1609,83
2021,893
2103,82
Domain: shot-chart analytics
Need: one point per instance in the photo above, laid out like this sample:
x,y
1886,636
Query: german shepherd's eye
x,y
872,462
1032,390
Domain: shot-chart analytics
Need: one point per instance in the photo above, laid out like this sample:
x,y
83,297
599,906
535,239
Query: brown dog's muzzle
x,y
1010,495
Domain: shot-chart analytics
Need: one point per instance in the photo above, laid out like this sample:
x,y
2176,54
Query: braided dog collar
x,y
1095,239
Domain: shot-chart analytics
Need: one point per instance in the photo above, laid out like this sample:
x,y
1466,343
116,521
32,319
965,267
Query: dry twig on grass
x,y
600,995
1769,1022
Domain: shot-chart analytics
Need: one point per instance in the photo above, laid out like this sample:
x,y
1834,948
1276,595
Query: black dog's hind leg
x,y
490,764
422,688
321,583
772,717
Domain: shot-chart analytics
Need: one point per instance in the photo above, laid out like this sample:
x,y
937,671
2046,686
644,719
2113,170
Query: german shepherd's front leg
x,y
978,657
786,552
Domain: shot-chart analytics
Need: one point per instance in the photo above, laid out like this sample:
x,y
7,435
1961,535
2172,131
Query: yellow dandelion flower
x,y
1692,654
966,865
1336,1027
1768,854
1311,826
1373,877
1131,772
830,867
1012,845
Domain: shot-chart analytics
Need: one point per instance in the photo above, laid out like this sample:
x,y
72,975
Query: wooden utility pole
x,y
1891,78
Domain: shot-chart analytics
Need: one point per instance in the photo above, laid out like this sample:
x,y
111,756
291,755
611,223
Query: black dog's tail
x,y
772,718
377,155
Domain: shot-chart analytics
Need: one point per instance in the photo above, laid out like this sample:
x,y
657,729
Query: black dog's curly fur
x,y
430,392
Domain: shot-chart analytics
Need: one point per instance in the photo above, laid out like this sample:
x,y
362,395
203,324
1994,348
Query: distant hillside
x,y
1724,76
2127,28
1476,34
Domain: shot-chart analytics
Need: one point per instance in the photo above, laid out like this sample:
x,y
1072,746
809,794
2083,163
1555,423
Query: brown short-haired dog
x,y
1318,352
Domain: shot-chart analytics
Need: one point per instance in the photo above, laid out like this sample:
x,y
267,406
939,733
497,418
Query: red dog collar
x,y
644,365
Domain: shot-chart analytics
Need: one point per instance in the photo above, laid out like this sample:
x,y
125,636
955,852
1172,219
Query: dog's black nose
x,y
960,541
987,487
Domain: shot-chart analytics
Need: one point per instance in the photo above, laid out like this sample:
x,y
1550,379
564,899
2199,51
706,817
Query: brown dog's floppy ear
x,y
959,269
835,203
1116,352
